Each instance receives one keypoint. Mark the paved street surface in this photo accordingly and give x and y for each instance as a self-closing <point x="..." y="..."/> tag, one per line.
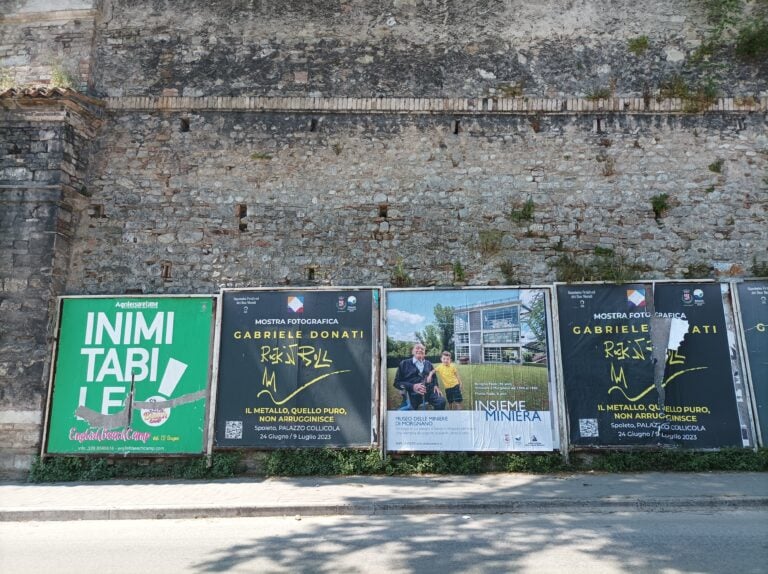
<point x="570" y="543"/>
<point x="592" y="523"/>
<point x="382" y="495"/>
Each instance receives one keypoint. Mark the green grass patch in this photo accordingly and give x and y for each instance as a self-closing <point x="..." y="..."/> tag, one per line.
<point x="498" y="382"/>
<point x="67" y="469"/>
<point x="348" y="462"/>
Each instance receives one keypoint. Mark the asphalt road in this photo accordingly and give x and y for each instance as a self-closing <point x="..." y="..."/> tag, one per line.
<point x="634" y="542"/>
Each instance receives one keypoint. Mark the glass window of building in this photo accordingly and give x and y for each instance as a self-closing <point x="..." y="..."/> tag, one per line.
<point x="502" y="337"/>
<point x="502" y="318"/>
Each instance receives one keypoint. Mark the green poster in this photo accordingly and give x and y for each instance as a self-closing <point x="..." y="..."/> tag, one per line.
<point x="131" y="375"/>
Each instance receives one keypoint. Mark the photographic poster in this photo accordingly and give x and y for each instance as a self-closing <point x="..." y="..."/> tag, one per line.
<point x="490" y="386"/>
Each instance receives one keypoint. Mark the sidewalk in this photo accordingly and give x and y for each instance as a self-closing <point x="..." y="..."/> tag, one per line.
<point x="377" y="495"/>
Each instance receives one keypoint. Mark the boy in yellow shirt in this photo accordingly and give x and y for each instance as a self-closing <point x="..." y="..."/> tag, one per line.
<point x="449" y="376"/>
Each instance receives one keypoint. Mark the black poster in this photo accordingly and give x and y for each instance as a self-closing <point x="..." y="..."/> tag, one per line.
<point x="617" y="396"/>
<point x="295" y="368"/>
<point x="753" y="300"/>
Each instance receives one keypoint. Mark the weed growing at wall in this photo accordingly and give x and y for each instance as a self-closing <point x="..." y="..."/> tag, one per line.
<point x="438" y="463"/>
<point x="695" y="99"/>
<point x="605" y="265"/>
<point x="638" y="46"/>
<point x="759" y="269"/>
<point x="752" y="42"/>
<point x="509" y="272"/>
<point x="716" y="166"/>
<point x="704" y="97"/>
<point x="534" y="463"/>
<point x="677" y="461"/>
<point x="344" y="463"/>
<point x="525" y="213"/>
<point x="609" y="167"/>
<point x="511" y="90"/>
<point x="599" y="94"/>
<point x="63" y="469"/>
<point x="660" y="205"/>
<point x="323" y="462"/>
<point x="328" y="462"/>
<point x="459" y="276"/>
<point x="490" y="241"/>
<point x="400" y="277"/>
<point x="732" y="24"/>
<point x="61" y="78"/>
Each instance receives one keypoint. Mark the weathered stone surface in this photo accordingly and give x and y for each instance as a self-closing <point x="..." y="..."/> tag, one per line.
<point x="38" y="214"/>
<point x="407" y="49"/>
<point x="313" y="198"/>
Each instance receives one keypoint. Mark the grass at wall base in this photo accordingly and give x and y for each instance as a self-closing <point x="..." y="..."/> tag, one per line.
<point x="345" y="462"/>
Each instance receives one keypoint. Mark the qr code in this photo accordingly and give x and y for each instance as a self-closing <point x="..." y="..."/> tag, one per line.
<point x="588" y="427"/>
<point x="233" y="430"/>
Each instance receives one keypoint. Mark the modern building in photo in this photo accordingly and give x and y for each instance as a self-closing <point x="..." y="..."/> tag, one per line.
<point x="488" y="332"/>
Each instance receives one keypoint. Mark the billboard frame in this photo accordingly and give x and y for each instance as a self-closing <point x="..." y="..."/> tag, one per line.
<point x="760" y="440"/>
<point x="554" y="386"/>
<point x="376" y="422"/>
<point x="737" y="365"/>
<point x="209" y="406"/>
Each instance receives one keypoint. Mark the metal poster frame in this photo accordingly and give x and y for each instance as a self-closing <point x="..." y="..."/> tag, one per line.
<point x="749" y="383"/>
<point x="553" y="386"/>
<point x="209" y="406"/>
<point x="736" y="363"/>
<point x="377" y="296"/>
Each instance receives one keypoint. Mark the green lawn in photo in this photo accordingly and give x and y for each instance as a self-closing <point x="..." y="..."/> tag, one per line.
<point x="495" y="382"/>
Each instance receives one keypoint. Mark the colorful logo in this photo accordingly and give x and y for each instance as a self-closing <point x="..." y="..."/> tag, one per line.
<point x="155" y="417"/>
<point x="698" y="297"/>
<point x="687" y="297"/>
<point x="636" y="298"/>
<point x="296" y="304"/>
<point x="341" y="304"/>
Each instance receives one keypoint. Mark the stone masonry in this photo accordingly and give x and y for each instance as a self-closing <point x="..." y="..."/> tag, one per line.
<point x="44" y="145"/>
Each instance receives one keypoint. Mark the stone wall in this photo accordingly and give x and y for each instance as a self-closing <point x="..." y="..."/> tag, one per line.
<point x="237" y="198"/>
<point x="325" y="141"/>
<point x="46" y="42"/>
<point x="44" y="146"/>
<point x="417" y="48"/>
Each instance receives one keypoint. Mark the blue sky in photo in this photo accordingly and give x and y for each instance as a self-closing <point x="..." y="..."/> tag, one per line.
<point x="411" y="311"/>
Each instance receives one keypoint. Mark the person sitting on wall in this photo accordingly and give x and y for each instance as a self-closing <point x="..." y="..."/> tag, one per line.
<point x="411" y="377"/>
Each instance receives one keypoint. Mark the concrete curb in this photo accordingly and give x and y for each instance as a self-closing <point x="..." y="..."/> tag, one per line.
<point x="599" y="506"/>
